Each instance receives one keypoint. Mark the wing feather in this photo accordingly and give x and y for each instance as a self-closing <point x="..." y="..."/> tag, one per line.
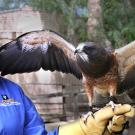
<point x="38" y="49"/>
<point x="126" y="65"/>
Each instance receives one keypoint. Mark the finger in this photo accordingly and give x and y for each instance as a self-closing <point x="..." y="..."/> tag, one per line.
<point x="114" y="128"/>
<point x="119" y="119"/>
<point x="131" y="113"/>
<point x="107" y="112"/>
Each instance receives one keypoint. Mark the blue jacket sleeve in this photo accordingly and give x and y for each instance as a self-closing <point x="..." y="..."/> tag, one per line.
<point x="34" y="125"/>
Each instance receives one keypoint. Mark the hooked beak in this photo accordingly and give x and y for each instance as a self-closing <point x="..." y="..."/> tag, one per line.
<point x="77" y="51"/>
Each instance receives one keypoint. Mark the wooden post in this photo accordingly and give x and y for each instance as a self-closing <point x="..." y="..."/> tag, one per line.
<point x="13" y="35"/>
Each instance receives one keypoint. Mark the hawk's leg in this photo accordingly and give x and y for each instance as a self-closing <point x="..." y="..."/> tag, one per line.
<point x="89" y="91"/>
<point x="90" y="103"/>
<point x="91" y="111"/>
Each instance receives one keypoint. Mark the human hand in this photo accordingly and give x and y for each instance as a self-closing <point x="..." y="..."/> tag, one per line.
<point x="102" y="122"/>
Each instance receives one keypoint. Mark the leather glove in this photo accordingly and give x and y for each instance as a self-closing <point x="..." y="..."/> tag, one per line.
<point x="117" y="123"/>
<point x="97" y="124"/>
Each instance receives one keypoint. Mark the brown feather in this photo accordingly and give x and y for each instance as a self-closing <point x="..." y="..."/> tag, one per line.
<point x="39" y="49"/>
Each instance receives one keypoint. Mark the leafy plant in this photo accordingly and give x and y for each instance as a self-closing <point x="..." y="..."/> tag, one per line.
<point x="11" y="4"/>
<point x="119" y="18"/>
<point x="74" y="14"/>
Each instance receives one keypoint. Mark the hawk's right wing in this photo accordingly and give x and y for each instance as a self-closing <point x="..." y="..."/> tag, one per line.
<point x="38" y="49"/>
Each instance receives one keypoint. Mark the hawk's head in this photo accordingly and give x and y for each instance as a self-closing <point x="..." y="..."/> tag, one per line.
<point x="93" y="60"/>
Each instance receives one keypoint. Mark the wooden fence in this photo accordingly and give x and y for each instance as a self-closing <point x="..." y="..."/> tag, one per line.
<point x="56" y="105"/>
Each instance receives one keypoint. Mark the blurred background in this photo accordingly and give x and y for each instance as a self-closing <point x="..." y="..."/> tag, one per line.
<point x="60" y="97"/>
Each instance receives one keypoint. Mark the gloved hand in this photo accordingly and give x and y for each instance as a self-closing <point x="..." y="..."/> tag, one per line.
<point x="97" y="124"/>
<point x="117" y="123"/>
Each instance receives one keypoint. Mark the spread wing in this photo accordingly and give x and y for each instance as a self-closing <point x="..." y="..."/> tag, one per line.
<point x="38" y="49"/>
<point x="126" y="66"/>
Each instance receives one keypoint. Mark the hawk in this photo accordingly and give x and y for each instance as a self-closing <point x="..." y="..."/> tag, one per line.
<point x="101" y="70"/>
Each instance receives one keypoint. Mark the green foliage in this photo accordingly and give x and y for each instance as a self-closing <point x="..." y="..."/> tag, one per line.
<point x="11" y="4"/>
<point x="68" y="9"/>
<point x="119" y="18"/>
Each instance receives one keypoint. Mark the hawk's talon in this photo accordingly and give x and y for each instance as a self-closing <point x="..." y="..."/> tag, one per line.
<point x="112" y="104"/>
<point x="85" y="116"/>
<point x="92" y="114"/>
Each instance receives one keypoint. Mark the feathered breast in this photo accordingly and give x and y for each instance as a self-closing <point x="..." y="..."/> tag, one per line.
<point x="96" y="66"/>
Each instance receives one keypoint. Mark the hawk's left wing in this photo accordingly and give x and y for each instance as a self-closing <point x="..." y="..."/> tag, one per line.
<point x="125" y="57"/>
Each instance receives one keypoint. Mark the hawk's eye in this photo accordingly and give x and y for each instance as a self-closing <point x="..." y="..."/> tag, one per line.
<point x="90" y="47"/>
